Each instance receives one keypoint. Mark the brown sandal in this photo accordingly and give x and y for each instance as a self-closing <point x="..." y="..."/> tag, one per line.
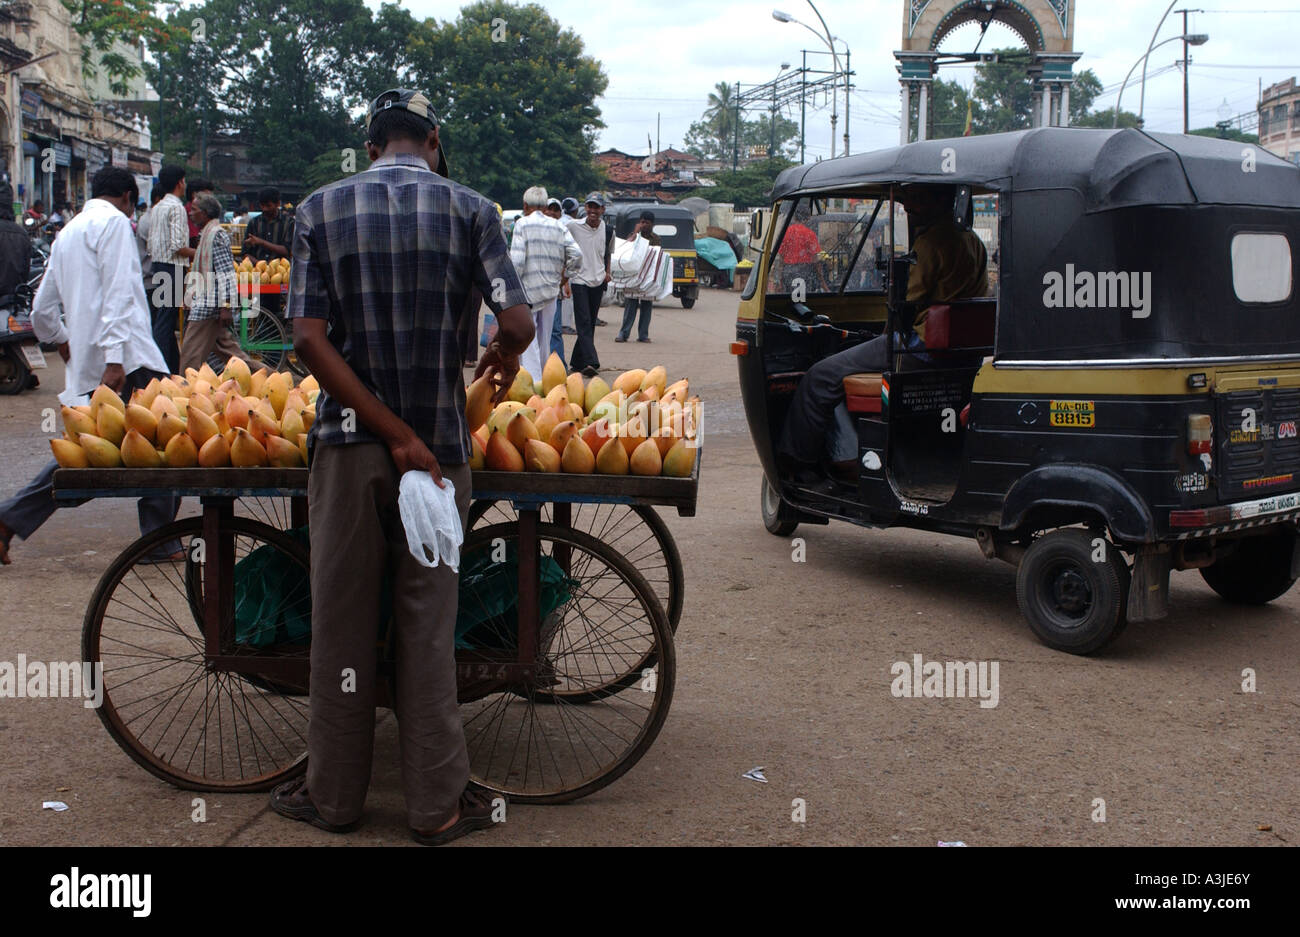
<point x="475" y="814"/>
<point x="291" y="800"/>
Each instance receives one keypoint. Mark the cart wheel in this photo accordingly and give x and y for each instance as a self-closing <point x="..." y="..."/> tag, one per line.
<point x="635" y="530"/>
<point x="1073" y="602"/>
<point x="273" y="512"/>
<point x="198" y="728"/>
<point x="568" y="731"/>
<point x="778" y="518"/>
<point x="1257" y="571"/>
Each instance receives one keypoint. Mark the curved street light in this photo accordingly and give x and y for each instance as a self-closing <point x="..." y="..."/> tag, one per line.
<point x="782" y="17"/>
<point x="1193" y="39"/>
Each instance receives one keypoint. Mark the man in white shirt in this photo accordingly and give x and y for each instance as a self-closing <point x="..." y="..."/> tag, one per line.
<point x="543" y="251"/>
<point x="170" y="251"/>
<point x="93" y="280"/>
<point x="594" y="239"/>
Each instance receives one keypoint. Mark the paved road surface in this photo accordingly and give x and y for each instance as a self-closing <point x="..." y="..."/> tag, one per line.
<point x="781" y="664"/>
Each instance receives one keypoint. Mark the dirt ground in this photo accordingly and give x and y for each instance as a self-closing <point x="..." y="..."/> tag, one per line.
<point x="781" y="664"/>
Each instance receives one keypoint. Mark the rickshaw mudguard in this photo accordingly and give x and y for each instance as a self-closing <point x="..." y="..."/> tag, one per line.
<point x="1080" y="486"/>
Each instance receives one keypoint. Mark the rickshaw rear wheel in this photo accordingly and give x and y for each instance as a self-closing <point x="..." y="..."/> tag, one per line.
<point x="778" y="517"/>
<point x="1072" y="587"/>
<point x="1257" y="571"/>
<point x="688" y="302"/>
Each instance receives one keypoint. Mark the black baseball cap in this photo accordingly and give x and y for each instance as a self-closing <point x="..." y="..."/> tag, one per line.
<point x="417" y="104"/>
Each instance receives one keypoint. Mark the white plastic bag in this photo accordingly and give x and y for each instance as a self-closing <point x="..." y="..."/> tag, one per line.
<point x="628" y="258"/>
<point x="431" y="519"/>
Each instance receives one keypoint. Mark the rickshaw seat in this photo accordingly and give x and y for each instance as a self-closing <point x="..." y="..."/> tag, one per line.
<point x="967" y="324"/>
<point x="862" y="392"/>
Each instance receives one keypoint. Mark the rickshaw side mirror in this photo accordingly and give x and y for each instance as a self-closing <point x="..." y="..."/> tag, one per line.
<point x="755" y="227"/>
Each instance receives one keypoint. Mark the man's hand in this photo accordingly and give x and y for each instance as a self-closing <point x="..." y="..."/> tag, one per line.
<point x="65" y="352"/>
<point x="114" y="378"/>
<point x="254" y="240"/>
<point x="503" y="369"/>
<point x="410" y="454"/>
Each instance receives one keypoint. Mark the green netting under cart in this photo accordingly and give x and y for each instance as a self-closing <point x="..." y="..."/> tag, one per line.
<point x="272" y="597"/>
<point x="488" y="614"/>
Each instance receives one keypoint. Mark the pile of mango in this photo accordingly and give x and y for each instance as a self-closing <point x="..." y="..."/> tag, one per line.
<point x="274" y="271"/>
<point x="237" y="418"/>
<point x="641" y="425"/>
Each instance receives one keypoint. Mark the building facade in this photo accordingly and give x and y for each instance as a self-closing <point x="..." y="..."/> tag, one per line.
<point x="1279" y="120"/>
<point x="56" y="131"/>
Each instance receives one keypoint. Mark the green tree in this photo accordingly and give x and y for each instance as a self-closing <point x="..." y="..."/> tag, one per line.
<point x="289" y="75"/>
<point x="104" y="25"/>
<point x="333" y="165"/>
<point x="1227" y="133"/>
<point x="517" y="97"/>
<point x="746" y="188"/>
<point x="947" y="109"/>
<point x="1106" y="119"/>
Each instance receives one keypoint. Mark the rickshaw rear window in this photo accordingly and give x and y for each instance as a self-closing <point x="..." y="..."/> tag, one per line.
<point x="1261" y="267"/>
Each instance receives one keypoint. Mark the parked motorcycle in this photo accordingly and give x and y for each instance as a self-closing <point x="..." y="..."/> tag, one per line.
<point x="19" y="351"/>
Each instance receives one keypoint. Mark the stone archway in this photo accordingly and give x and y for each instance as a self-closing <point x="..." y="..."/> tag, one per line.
<point x="1045" y="26"/>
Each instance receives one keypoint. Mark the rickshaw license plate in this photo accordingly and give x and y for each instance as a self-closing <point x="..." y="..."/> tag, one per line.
<point x="35" y="357"/>
<point x="1080" y="413"/>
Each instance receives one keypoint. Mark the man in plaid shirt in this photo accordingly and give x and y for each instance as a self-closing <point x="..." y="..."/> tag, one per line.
<point x="384" y="265"/>
<point x="210" y="291"/>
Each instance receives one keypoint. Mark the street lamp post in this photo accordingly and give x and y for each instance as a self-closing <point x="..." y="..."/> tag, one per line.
<point x="827" y="38"/>
<point x="1196" y="39"/>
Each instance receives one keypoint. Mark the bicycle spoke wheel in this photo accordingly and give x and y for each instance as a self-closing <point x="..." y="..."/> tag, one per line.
<point x="636" y="531"/>
<point x="268" y="341"/>
<point x="567" y="731"/>
<point x="198" y="727"/>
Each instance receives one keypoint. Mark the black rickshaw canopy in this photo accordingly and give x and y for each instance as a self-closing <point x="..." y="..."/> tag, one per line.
<point x="1116" y="246"/>
<point x="1107" y="168"/>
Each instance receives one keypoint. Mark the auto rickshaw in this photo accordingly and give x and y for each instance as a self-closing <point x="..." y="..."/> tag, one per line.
<point x="675" y="227"/>
<point x="1125" y="404"/>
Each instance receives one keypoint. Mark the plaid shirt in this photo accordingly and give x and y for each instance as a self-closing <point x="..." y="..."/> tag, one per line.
<point x="390" y="256"/>
<point x="279" y="231"/>
<point x="212" y="285"/>
<point x="542" y="249"/>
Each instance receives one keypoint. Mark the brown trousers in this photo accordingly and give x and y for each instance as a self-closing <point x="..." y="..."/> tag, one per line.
<point x="203" y="337"/>
<point x="357" y="535"/>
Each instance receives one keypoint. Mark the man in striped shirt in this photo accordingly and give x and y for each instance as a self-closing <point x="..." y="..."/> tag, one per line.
<point x="170" y="252"/>
<point x="543" y="251"/>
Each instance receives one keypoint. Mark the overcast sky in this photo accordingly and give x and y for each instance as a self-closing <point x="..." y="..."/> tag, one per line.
<point x="663" y="57"/>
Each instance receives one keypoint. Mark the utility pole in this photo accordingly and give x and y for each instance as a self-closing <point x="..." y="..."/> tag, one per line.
<point x="803" y="105"/>
<point x="735" y="146"/>
<point x="846" y="99"/>
<point x="771" y="149"/>
<point x="1185" y="62"/>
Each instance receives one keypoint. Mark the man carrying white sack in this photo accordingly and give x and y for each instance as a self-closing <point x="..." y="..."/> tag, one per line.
<point x="543" y="252"/>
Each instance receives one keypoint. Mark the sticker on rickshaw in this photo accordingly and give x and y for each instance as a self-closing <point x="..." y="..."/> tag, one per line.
<point x="1267" y="481"/>
<point x="1075" y="413"/>
<point x="1192" y="482"/>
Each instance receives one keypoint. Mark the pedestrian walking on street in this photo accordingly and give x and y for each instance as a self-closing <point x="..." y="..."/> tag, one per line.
<point x="543" y="253"/>
<point x="211" y="292"/>
<point x="595" y="240"/>
<point x="644" y="229"/>
<point x="91" y="304"/>
<point x="381" y="315"/>
<point x="170" y="252"/>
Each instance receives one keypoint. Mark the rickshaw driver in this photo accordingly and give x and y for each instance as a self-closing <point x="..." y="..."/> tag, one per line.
<point x="951" y="264"/>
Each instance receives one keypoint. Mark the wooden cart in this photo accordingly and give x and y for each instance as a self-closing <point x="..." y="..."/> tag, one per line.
<point x="565" y="662"/>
